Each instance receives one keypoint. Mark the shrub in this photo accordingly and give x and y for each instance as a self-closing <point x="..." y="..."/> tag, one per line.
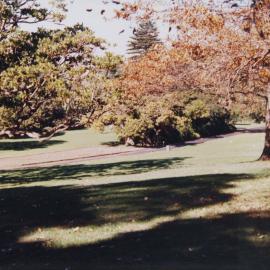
<point x="168" y="119"/>
<point x="213" y="120"/>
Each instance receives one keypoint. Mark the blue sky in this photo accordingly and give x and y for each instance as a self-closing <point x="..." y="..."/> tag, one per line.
<point x="108" y="30"/>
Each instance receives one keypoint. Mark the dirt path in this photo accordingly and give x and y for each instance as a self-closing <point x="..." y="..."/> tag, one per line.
<point x="76" y="156"/>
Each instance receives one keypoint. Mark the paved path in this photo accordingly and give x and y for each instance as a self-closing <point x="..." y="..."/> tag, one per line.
<point x="76" y="156"/>
<point x="68" y="157"/>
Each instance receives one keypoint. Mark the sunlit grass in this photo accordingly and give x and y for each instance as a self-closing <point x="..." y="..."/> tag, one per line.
<point x="69" y="140"/>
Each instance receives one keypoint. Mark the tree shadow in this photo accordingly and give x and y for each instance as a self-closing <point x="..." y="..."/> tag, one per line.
<point x="26" y="145"/>
<point x="202" y="242"/>
<point x="112" y="143"/>
<point x="217" y="243"/>
<point x="79" y="172"/>
<point x="251" y="130"/>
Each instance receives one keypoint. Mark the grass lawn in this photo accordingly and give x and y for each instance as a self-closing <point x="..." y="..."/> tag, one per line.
<point x="69" y="140"/>
<point x="203" y="206"/>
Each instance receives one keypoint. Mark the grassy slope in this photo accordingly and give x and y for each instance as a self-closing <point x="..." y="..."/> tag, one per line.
<point x="196" y="207"/>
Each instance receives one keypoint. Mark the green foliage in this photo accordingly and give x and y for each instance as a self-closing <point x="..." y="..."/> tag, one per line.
<point x="249" y="111"/>
<point x="168" y="119"/>
<point x="50" y="79"/>
<point x="109" y="64"/>
<point x="71" y="46"/>
<point x="16" y="12"/>
<point x="33" y="97"/>
<point x="219" y="122"/>
<point x="16" y="49"/>
<point x="144" y="37"/>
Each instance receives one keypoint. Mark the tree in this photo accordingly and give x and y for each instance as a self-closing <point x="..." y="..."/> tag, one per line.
<point x="144" y="37"/>
<point x="237" y="35"/>
<point x="16" y="12"/>
<point x="155" y="101"/>
<point x="33" y="98"/>
<point x="49" y="80"/>
<point x="240" y="38"/>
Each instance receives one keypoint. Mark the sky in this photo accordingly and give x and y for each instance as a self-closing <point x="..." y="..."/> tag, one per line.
<point x="108" y="30"/>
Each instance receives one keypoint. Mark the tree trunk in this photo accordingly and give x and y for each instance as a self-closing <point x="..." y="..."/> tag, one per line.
<point x="266" y="151"/>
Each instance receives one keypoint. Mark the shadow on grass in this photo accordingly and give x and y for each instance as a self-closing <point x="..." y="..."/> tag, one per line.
<point x="181" y="244"/>
<point x="112" y="143"/>
<point x="26" y="145"/>
<point x="221" y="243"/>
<point x="251" y="130"/>
<point x="79" y="172"/>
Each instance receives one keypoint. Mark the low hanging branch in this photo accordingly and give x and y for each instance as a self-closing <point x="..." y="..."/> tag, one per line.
<point x="52" y="132"/>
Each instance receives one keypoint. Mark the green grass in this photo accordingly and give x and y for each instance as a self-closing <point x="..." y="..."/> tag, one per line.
<point x="201" y="206"/>
<point x="69" y="140"/>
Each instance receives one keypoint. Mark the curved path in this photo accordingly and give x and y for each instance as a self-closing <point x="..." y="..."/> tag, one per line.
<point x="77" y="156"/>
<point x="68" y="157"/>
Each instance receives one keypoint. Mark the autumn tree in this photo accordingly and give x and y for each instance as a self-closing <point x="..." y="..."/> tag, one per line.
<point x="237" y="35"/>
<point x="153" y="103"/>
<point x="240" y="37"/>
<point x="144" y="37"/>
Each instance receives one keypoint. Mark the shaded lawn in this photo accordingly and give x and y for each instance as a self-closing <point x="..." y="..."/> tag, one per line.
<point x="199" y="240"/>
<point x="225" y="240"/>
<point x="156" y="211"/>
<point x="221" y="243"/>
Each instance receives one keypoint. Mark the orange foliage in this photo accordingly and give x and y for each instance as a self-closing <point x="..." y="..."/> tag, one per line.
<point x="218" y="51"/>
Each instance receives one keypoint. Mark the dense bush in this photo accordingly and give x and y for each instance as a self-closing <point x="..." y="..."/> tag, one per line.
<point x="155" y="125"/>
<point x="216" y="122"/>
<point x="249" y="112"/>
<point x="167" y="119"/>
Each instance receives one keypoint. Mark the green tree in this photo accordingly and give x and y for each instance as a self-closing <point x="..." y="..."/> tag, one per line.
<point x="51" y="80"/>
<point x="16" y="12"/>
<point x="144" y="37"/>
